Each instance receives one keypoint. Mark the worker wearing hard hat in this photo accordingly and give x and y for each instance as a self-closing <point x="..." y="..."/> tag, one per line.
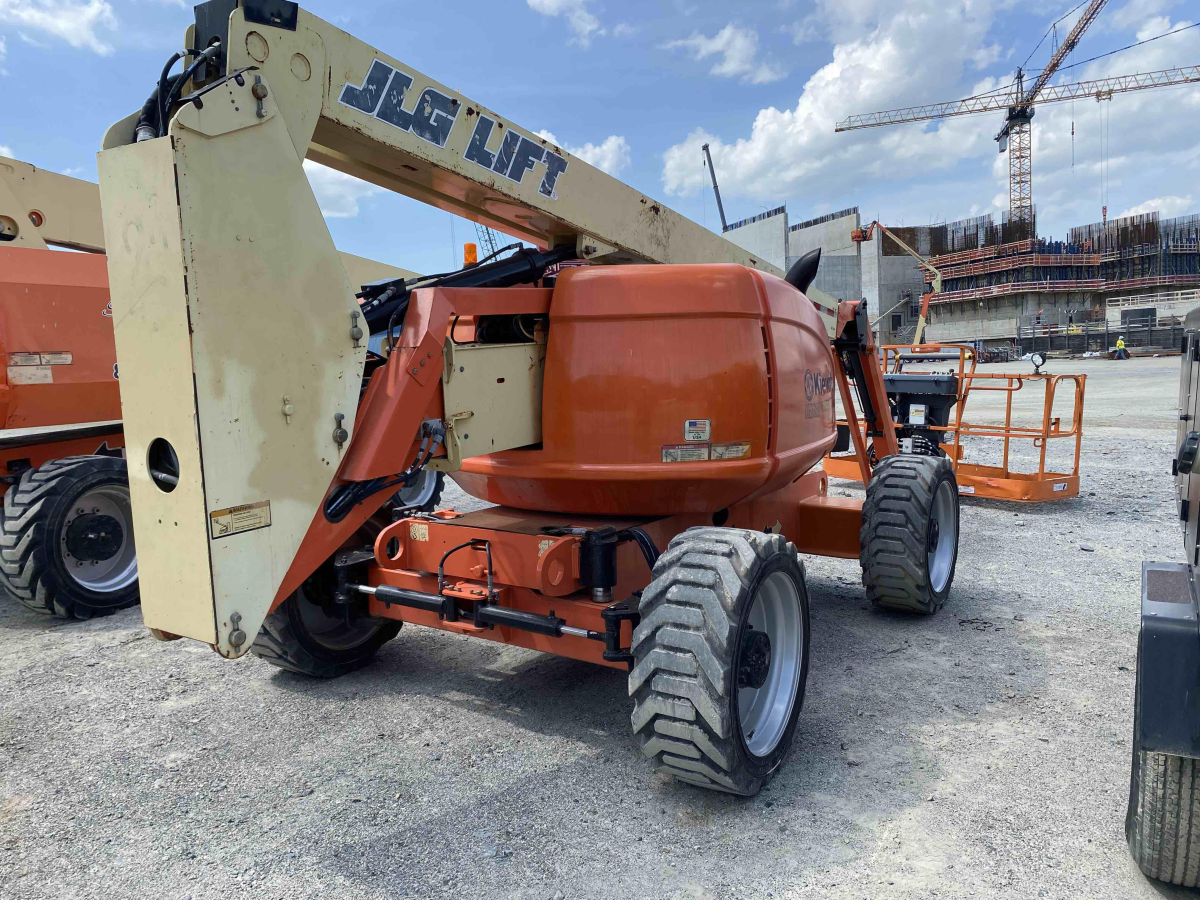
<point x="1122" y="353"/>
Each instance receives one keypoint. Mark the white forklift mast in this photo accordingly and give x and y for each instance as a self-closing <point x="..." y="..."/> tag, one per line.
<point x="240" y="371"/>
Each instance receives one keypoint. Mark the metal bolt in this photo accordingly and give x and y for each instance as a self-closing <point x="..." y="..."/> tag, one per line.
<point x="79" y="564"/>
<point x="340" y="434"/>
<point x="259" y="91"/>
<point x="414" y="371"/>
<point x="422" y="362"/>
<point x="237" y="637"/>
<point x="95" y="509"/>
<point x="81" y="511"/>
<point x="356" y="333"/>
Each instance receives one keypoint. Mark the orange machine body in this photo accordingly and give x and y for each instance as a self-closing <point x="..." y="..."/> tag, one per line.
<point x="670" y="390"/>
<point x="60" y="362"/>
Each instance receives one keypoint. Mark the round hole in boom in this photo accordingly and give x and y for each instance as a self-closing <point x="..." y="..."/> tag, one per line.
<point x="163" y="464"/>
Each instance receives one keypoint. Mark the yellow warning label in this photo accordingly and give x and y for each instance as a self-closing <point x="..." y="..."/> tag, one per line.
<point x="237" y="519"/>
<point x="418" y="531"/>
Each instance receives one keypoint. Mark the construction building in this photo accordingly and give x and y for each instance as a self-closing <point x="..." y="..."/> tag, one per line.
<point x="1002" y="285"/>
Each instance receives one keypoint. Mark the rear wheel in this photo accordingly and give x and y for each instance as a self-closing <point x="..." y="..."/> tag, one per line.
<point x="909" y="535"/>
<point x="311" y="634"/>
<point x="721" y="658"/>
<point x="66" y="538"/>
<point x="1162" y="823"/>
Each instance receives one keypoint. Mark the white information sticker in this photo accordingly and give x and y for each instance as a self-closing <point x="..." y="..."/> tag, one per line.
<point x="1061" y="486"/>
<point x="964" y="489"/>
<point x="673" y="453"/>
<point x="30" y="375"/>
<point x="24" y="359"/>
<point x="237" y="519"/>
<point x="60" y="358"/>
<point x="916" y="414"/>
<point x="731" y="450"/>
<point x="697" y="430"/>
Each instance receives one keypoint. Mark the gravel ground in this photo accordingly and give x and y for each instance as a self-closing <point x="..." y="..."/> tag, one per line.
<point x="981" y="752"/>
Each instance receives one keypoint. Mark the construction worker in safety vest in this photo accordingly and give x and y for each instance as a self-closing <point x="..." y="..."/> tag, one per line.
<point x="1122" y="353"/>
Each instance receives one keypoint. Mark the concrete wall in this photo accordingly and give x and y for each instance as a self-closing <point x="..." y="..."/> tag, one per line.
<point x="995" y="318"/>
<point x="898" y="289"/>
<point x="832" y="236"/>
<point x="767" y="238"/>
<point x="840" y="277"/>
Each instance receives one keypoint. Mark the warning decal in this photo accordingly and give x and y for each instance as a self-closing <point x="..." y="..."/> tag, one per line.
<point x="237" y="519"/>
<point x="672" y="453"/>
<point x="30" y="375"/>
<point x="731" y="450"/>
<point x="58" y="358"/>
<point x="24" y="359"/>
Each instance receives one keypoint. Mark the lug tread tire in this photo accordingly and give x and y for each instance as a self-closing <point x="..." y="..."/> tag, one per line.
<point x="282" y="642"/>
<point x="26" y="540"/>
<point x="682" y="678"/>
<point x="893" y="554"/>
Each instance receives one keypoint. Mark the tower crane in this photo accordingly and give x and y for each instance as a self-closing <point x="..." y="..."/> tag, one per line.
<point x="1018" y="105"/>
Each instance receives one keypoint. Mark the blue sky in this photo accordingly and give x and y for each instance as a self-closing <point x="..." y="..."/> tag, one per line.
<point x="637" y="87"/>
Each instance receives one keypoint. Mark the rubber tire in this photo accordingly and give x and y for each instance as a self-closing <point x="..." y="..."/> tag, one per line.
<point x="31" y="567"/>
<point x="894" y="533"/>
<point x="693" y="614"/>
<point x="284" y="642"/>
<point x="431" y="504"/>
<point x="1162" y="822"/>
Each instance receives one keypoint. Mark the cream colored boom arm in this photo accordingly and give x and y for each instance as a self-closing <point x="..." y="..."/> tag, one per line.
<point x="39" y="207"/>
<point x="358" y="110"/>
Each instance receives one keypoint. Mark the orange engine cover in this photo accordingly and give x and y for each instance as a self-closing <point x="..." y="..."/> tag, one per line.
<point x="668" y="390"/>
<point x="56" y="334"/>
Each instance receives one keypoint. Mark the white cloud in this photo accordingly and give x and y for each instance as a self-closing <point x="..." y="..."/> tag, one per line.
<point x="30" y="41"/>
<point x="625" y="30"/>
<point x="1167" y="207"/>
<point x="5" y="150"/>
<point x="804" y="31"/>
<point x="337" y="193"/>
<point x="985" y="56"/>
<point x="611" y="155"/>
<point x="3" y="49"/>
<point x="882" y="59"/>
<point x="582" y="22"/>
<point x="738" y="49"/>
<point x="72" y="21"/>
<point x="1134" y="13"/>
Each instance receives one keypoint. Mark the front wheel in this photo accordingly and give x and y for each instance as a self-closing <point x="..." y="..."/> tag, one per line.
<point x="909" y="535"/>
<point x="721" y="658"/>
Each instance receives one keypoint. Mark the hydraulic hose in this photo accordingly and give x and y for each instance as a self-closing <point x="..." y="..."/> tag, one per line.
<point x="201" y="59"/>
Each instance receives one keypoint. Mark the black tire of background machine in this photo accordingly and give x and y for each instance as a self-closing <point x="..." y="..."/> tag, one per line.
<point x="1162" y="823"/>
<point x="683" y="681"/>
<point x="286" y="642"/>
<point x="32" y="568"/>
<point x="895" y="532"/>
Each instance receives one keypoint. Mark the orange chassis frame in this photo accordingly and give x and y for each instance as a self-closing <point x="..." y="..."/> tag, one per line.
<point x="995" y="482"/>
<point x="531" y="571"/>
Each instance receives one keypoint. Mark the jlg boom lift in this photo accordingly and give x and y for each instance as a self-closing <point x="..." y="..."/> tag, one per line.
<point x="650" y="430"/>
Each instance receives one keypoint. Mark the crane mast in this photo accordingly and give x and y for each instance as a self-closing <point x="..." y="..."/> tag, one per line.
<point x="716" y="190"/>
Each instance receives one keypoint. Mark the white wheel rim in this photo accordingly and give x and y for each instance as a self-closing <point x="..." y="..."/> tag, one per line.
<point x="764" y="712"/>
<point x="944" y="523"/>
<point x="119" y="571"/>
<point x="420" y="491"/>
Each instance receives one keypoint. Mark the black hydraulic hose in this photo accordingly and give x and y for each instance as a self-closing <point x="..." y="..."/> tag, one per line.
<point x="177" y="89"/>
<point x="645" y="544"/>
<point x="160" y="124"/>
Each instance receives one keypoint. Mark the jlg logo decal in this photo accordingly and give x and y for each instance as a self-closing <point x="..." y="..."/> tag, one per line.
<point x="384" y="92"/>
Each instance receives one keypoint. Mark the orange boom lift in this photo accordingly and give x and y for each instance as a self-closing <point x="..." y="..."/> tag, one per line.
<point x="649" y="424"/>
